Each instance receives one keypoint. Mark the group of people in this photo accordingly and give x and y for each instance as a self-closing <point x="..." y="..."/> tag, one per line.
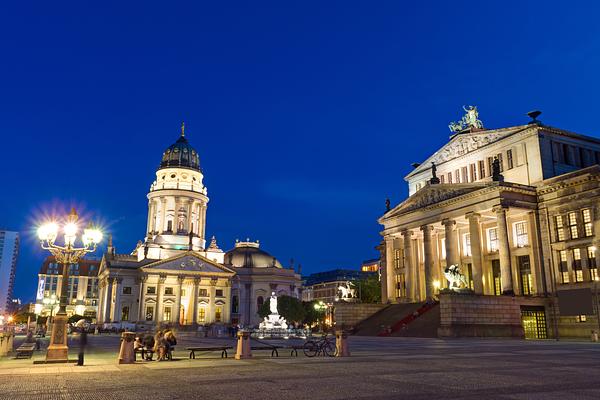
<point x="161" y="344"/>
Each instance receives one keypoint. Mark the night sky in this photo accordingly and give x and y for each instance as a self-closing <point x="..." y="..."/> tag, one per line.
<point x="306" y="116"/>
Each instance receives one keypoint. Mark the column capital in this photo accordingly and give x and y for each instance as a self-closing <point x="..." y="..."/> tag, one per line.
<point x="213" y="281"/>
<point x="144" y="278"/>
<point x="406" y="232"/>
<point x="197" y="281"/>
<point x="472" y="214"/>
<point x="448" y="223"/>
<point x="426" y="228"/>
<point x="161" y="279"/>
<point x="500" y="208"/>
<point x="180" y="279"/>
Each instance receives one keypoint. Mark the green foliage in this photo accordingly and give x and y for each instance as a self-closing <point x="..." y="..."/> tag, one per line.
<point x="311" y="315"/>
<point x="21" y="318"/>
<point x="369" y="289"/>
<point x="288" y="307"/>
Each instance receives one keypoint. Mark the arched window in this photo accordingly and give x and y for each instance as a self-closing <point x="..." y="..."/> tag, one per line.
<point x="259" y="302"/>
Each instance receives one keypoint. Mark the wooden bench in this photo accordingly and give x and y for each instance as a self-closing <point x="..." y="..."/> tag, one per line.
<point x="222" y="349"/>
<point x="25" y="350"/>
<point x="274" y="352"/>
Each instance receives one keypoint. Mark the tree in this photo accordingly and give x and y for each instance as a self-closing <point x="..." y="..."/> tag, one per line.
<point x="312" y="315"/>
<point x="288" y="307"/>
<point x="369" y="289"/>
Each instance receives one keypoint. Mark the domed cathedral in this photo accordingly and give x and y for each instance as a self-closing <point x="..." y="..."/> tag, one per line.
<point x="172" y="276"/>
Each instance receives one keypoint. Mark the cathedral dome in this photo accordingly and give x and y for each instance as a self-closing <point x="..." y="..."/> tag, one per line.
<point x="248" y="255"/>
<point x="180" y="155"/>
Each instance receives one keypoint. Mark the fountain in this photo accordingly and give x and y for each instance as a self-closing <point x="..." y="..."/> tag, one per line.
<point x="273" y="321"/>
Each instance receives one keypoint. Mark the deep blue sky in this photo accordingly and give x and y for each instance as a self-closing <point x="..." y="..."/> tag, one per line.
<point x="306" y="116"/>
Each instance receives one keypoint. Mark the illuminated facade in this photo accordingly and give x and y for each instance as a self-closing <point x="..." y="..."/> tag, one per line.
<point x="83" y="288"/>
<point x="516" y="208"/>
<point x="173" y="276"/>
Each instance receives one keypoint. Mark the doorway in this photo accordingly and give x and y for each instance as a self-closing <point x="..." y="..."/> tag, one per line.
<point x="534" y="322"/>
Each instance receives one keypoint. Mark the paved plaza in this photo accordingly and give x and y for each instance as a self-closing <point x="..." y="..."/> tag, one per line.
<point x="379" y="368"/>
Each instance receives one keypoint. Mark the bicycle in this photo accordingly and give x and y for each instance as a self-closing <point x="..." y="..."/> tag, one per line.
<point x="324" y="346"/>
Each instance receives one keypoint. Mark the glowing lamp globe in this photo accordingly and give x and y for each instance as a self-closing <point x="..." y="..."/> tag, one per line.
<point x="48" y="231"/>
<point x="91" y="236"/>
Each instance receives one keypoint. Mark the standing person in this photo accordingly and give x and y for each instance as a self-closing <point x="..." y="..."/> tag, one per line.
<point x="82" y="344"/>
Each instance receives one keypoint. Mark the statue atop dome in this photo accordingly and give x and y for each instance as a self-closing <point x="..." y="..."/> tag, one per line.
<point x="469" y="121"/>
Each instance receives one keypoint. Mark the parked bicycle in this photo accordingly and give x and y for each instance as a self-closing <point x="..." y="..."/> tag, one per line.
<point x="324" y="346"/>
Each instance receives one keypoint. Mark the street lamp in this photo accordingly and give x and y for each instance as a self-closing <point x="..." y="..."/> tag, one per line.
<point x="50" y="302"/>
<point x="66" y="255"/>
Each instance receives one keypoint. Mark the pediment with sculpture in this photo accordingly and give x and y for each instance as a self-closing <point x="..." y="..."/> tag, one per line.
<point x="434" y="194"/>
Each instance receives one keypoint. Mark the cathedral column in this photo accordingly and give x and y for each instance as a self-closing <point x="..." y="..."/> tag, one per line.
<point x="202" y="221"/>
<point x="504" y="251"/>
<point x="177" y="310"/>
<point x="476" y="252"/>
<point x="159" y="298"/>
<point x="428" y="261"/>
<point x="188" y="216"/>
<point x="212" y="297"/>
<point x="408" y="265"/>
<point x="142" y="298"/>
<point x="195" y="302"/>
<point x="108" y="300"/>
<point x="117" y="307"/>
<point x="450" y="242"/>
<point x="388" y="293"/>
<point x="163" y="215"/>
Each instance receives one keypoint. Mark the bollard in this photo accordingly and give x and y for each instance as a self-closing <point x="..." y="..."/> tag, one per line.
<point x="341" y="344"/>
<point x="594" y="336"/>
<point x="127" y="353"/>
<point x="243" y="346"/>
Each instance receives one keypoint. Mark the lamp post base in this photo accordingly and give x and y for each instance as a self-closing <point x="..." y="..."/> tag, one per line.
<point x="58" y="351"/>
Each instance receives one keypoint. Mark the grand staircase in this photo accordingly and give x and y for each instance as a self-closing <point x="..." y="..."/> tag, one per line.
<point x="409" y="320"/>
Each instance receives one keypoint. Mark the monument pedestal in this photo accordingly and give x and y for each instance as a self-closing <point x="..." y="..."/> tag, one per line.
<point x="58" y="351"/>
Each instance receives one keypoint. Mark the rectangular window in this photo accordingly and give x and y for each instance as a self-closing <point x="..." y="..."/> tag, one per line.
<point x="203" y="293"/>
<point x="219" y="292"/>
<point x="168" y="290"/>
<point x="442" y="179"/>
<point x="167" y="314"/>
<point x="397" y="258"/>
<point x="586" y="214"/>
<point x="564" y="270"/>
<point x="457" y="175"/>
<point x="467" y="245"/>
<point x="473" y="172"/>
<point x="449" y="177"/>
<point x="499" y="156"/>
<point x="490" y="162"/>
<point x="497" y="274"/>
<point x="521" y="234"/>
<point x="126" y="289"/>
<point x="493" y="239"/>
<point x="149" y="313"/>
<point x="151" y="290"/>
<point x="560" y="230"/>
<point x="591" y="252"/>
<point x="465" y="177"/>
<point x="125" y="313"/>
<point x="481" y="169"/>
<point x="201" y="314"/>
<point x="400" y="285"/>
<point x="525" y="274"/>
<point x="572" y="220"/>
<point x="577" y="265"/>
<point x="509" y="159"/>
<point x="218" y="312"/>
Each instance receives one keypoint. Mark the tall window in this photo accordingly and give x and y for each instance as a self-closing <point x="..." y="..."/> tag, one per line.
<point x="497" y="274"/>
<point x="564" y="269"/>
<point x="500" y="162"/>
<point x="493" y="239"/>
<point x="218" y="312"/>
<point x="235" y="304"/>
<point x="259" y="302"/>
<point x="125" y="313"/>
<point x="521" y="234"/>
<point x="587" y="222"/>
<point x="149" y="313"/>
<point x="201" y="314"/>
<point x="591" y="253"/>
<point x="473" y="172"/>
<point x="560" y="229"/>
<point x="467" y="245"/>
<point x="400" y="285"/>
<point x="457" y="175"/>
<point x="525" y="273"/>
<point x="465" y="176"/>
<point x="449" y="177"/>
<point x="167" y="314"/>
<point x="481" y="165"/>
<point x="572" y="220"/>
<point x="577" y="265"/>
<point x="442" y="178"/>
<point x="490" y="163"/>
<point x="509" y="159"/>
<point x="397" y="258"/>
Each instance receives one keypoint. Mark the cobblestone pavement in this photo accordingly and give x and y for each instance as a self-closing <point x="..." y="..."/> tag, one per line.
<point x="380" y="368"/>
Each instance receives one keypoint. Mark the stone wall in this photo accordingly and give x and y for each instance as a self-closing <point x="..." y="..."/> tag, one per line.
<point x="479" y="316"/>
<point x="350" y="314"/>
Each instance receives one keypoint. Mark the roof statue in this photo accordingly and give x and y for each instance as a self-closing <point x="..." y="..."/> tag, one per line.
<point x="469" y="120"/>
<point x="183" y="129"/>
<point x="434" y="179"/>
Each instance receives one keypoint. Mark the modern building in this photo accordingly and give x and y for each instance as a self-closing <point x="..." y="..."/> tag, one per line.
<point x="83" y="288"/>
<point x="323" y="286"/>
<point x="172" y="276"/>
<point x="9" y="251"/>
<point x="371" y="266"/>
<point x="517" y="209"/>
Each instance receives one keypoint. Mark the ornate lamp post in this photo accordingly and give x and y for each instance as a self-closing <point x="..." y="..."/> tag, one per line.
<point x="66" y="255"/>
<point x="50" y="302"/>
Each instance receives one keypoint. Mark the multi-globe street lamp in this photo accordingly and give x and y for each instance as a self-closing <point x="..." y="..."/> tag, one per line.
<point x="67" y="254"/>
<point x="51" y="302"/>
